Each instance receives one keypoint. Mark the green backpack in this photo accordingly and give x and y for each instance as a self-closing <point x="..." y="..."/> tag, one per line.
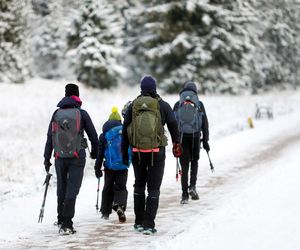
<point x="146" y="130"/>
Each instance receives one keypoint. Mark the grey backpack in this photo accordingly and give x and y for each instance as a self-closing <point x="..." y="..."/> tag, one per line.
<point x="66" y="133"/>
<point x="189" y="115"/>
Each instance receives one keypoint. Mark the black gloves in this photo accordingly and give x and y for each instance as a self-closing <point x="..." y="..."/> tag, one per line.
<point x="98" y="171"/>
<point x="47" y="165"/>
<point x="93" y="155"/>
<point x="125" y="158"/>
<point x="177" y="149"/>
<point x="206" y="146"/>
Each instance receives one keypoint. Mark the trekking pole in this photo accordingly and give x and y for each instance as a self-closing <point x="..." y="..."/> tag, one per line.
<point x="210" y="163"/>
<point x="178" y="169"/>
<point x="47" y="181"/>
<point x="97" y="208"/>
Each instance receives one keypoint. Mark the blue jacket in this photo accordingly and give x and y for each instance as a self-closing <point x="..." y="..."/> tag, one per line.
<point x="102" y="141"/>
<point x="86" y="125"/>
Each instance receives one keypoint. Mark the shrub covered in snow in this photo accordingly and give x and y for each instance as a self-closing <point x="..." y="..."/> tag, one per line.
<point x="13" y="54"/>
<point x="94" y="42"/>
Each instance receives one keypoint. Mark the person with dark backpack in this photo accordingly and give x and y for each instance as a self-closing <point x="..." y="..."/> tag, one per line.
<point x="66" y="138"/>
<point x="193" y="123"/>
<point x="143" y="130"/>
<point x="114" y="194"/>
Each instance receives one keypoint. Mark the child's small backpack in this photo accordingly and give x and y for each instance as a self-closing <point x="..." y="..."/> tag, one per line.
<point x="112" y="153"/>
<point x="66" y="133"/>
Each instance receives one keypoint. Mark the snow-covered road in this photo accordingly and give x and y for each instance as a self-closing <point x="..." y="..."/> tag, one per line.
<point x="223" y="192"/>
<point x="248" y="203"/>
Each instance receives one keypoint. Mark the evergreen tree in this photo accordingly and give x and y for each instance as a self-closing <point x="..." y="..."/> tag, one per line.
<point x="49" y="40"/>
<point x="13" y="54"/>
<point x="278" y="50"/>
<point x="185" y="40"/>
<point x="95" y="40"/>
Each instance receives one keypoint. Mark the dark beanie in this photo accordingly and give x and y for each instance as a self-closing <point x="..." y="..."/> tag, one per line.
<point x="148" y="84"/>
<point x="190" y="85"/>
<point x="72" y="89"/>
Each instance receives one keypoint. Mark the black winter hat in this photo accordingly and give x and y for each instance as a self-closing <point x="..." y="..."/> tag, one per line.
<point x="190" y="85"/>
<point x="72" y="89"/>
<point x="148" y="84"/>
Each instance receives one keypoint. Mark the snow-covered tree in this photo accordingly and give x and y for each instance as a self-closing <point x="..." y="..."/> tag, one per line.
<point x="182" y="40"/>
<point x="278" y="52"/>
<point x="49" y="40"/>
<point x="95" y="41"/>
<point x="228" y="46"/>
<point x="13" y="53"/>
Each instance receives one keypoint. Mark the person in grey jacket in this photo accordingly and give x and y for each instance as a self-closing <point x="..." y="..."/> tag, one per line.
<point x="191" y="146"/>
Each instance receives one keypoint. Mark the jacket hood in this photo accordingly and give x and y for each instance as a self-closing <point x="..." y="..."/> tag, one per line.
<point x="110" y="124"/>
<point x="69" y="102"/>
<point x="189" y="85"/>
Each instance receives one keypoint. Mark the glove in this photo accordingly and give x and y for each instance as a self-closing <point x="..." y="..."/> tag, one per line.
<point x="125" y="159"/>
<point x="47" y="165"/>
<point x="98" y="172"/>
<point x="177" y="149"/>
<point x="206" y="146"/>
<point x="93" y="155"/>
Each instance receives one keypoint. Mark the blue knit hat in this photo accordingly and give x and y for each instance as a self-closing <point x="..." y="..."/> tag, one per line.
<point x="148" y="84"/>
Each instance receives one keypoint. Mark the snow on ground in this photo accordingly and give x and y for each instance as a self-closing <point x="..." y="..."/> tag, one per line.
<point x="248" y="203"/>
<point x="261" y="213"/>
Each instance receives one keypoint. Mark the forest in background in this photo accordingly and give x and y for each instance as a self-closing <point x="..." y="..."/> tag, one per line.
<point x="226" y="46"/>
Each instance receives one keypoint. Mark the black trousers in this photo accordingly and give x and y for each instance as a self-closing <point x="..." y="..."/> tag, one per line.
<point x="69" y="174"/>
<point x="189" y="157"/>
<point x="114" y="192"/>
<point x="148" y="170"/>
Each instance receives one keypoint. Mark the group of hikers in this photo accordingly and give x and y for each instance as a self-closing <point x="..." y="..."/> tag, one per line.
<point x="139" y="141"/>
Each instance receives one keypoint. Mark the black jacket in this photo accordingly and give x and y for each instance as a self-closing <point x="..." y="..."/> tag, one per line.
<point x="205" y="128"/>
<point x="167" y="117"/>
<point x="86" y="125"/>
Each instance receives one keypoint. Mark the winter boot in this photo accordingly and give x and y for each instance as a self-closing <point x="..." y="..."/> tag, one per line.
<point x="138" y="227"/>
<point x="105" y="216"/>
<point x="193" y="193"/>
<point x="184" y="198"/>
<point x="149" y="231"/>
<point x="121" y="214"/>
<point x="66" y="231"/>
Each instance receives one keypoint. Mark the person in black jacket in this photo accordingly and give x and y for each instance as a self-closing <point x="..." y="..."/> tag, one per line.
<point x="149" y="166"/>
<point x="114" y="193"/>
<point x="69" y="171"/>
<point x="191" y="148"/>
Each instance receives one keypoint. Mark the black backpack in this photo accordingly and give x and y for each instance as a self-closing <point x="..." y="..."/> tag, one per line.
<point x="66" y="133"/>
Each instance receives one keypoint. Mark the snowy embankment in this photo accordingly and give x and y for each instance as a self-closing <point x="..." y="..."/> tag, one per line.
<point x="248" y="182"/>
